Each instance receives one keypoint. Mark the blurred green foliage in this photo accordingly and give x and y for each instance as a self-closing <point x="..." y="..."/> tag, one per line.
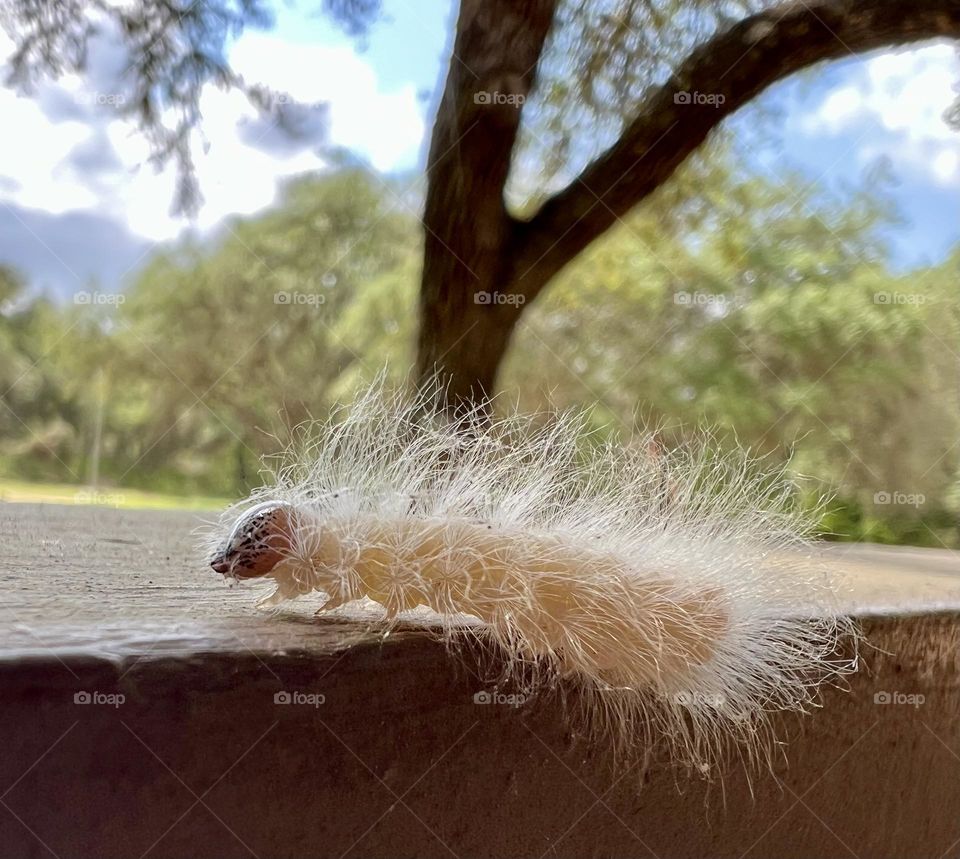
<point x="757" y="307"/>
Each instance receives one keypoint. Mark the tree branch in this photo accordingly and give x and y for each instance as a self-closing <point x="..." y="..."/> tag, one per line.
<point x="715" y="81"/>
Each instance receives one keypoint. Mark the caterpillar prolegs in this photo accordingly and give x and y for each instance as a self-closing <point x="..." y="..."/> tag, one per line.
<point x="670" y="583"/>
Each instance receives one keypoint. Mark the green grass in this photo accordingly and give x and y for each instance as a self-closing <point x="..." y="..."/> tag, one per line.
<point x="107" y="496"/>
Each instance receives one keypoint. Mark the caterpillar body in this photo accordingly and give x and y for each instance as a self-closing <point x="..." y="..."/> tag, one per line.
<point x="669" y="587"/>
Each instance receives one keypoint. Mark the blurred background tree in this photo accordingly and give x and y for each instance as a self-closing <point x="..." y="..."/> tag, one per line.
<point x="614" y="110"/>
<point x="785" y="329"/>
<point x="215" y="351"/>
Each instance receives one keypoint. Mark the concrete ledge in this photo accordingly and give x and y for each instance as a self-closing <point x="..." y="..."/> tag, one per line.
<point x="398" y="760"/>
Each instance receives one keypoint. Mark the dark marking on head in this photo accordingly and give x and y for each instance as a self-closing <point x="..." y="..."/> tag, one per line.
<point x="258" y="542"/>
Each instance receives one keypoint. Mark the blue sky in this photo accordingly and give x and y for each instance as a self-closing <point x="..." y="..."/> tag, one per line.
<point x="78" y="203"/>
<point x="885" y="107"/>
<point x="408" y="46"/>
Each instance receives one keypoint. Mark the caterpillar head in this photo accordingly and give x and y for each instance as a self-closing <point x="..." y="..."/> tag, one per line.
<point x="259" y="541"/>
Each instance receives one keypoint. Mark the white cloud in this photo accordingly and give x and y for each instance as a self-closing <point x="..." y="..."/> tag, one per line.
<point x="31" y="148"/>
<point x="839" y="109"/>
<point x="946" y="165"/>
<point x="386" y="127"/>
<point x="60" y="131"/>
<point x="897" y="101"/>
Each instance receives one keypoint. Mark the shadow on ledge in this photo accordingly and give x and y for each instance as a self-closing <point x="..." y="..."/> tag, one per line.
<point x="380" y="750"/>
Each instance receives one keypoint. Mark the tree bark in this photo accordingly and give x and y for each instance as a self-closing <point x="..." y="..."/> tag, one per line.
<point x="466" y="310"/>
<point x="474" y="245"/>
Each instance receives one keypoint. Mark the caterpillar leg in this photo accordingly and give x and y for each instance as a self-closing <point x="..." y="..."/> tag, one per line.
<point x="589" y="613"/>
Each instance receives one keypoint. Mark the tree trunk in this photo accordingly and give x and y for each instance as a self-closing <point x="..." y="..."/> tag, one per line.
<point x="467" y="311"/>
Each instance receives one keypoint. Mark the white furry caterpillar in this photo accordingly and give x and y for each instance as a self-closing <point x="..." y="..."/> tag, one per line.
<point x="666" y="584"/>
